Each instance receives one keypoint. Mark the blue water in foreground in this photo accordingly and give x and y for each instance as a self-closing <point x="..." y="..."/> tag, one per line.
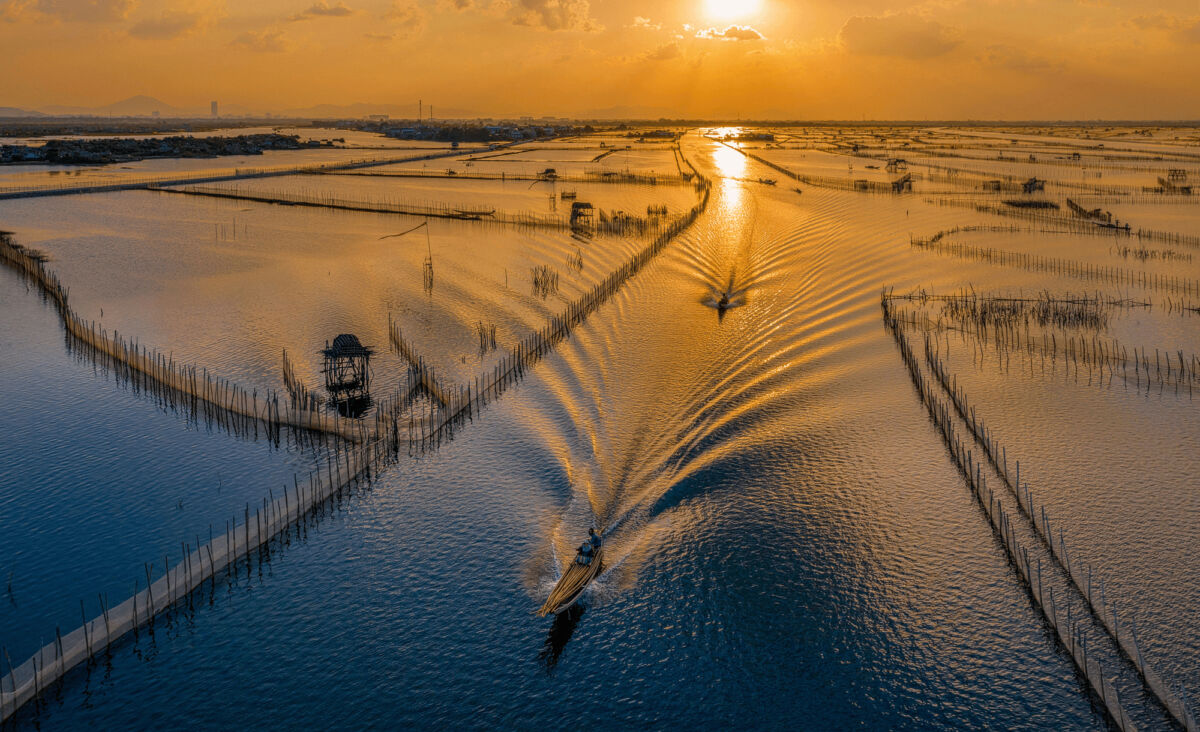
<point x="788" y="544"/>
<point x="96" y="480"/>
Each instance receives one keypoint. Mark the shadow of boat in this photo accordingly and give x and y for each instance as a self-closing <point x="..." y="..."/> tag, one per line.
<point x="560" y="634"/>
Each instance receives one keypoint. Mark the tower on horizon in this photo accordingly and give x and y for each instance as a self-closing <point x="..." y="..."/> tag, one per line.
<point x="213" y="109"/>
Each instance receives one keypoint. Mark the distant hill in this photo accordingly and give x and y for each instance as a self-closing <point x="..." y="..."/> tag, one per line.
<point x="136" y="106"/>
<point x="14" y="112"/>
<point x="142" y="106"/>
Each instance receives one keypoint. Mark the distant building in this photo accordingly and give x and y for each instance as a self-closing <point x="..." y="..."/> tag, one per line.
<point x="213" y="109"/>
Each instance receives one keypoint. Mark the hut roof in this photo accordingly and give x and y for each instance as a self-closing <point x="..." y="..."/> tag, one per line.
<point x="346" y="344"/>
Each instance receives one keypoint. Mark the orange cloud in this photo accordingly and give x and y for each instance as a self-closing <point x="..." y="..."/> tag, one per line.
<point x="166" y="26"/>
<point x="323" y="9"/>
<point x="270" y="40"/>
<point x="406" y="18"/>
<point x="732" y="33"/>
<point x="905" y="36"/>
<point x="665" y="52"/>
<point x="568" y="15"/>
<point x="87" y="10"/>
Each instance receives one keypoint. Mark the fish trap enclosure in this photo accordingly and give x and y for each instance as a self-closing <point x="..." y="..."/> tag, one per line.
<point x="347" y="372"/>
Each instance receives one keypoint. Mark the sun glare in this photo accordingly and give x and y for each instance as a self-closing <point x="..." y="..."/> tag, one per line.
<point x="731" y="9"/>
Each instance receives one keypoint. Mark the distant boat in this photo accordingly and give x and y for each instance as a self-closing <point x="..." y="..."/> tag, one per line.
<point x="572" y="584"/>
<point x="766" y="181"/>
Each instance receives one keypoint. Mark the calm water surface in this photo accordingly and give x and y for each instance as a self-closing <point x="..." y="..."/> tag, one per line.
<point x="787" y="540"/>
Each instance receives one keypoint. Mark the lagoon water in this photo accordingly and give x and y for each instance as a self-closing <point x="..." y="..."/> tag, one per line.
<point x="788" y="541"/>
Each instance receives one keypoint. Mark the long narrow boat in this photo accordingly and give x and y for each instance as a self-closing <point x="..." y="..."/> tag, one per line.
<point x="572" y="584"/>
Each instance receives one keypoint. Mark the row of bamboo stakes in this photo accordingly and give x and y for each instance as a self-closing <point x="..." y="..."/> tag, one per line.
<point x="774" y="166"/>
<point x="1059" y="266"/>
<point x="126" y="184"/>
<point x="201" y="562"/>
<point x="1144" y="254"/>
<point x="588" y="176"/>
<point x="1109" y="162"/>
<point x="1127" y="198"/>
<point x="1030" y="571"/>
<point x="1010" y="183"/>
<point x="302" y="397"/>
<point x="1173" y="698"/>
<point x="427" y="209"/>
<point x="844" y="184"/>
<point x="150" y="369"/>
<point x="423" y="375"/>
<point x="355" y="451"/>
<point x="1096" y="353"/>
<point x="1067" y="224"/>
<point x="465" y="401"/>
<point x="615" y="223"/>
<point x="1015" y="179"/>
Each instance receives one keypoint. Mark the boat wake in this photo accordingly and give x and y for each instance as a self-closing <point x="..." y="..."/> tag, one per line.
<point x="640" y="439"/>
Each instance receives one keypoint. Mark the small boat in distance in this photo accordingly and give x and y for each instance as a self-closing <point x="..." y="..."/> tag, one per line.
<point x="723" y="303"/>
<point x="572" y="584"/>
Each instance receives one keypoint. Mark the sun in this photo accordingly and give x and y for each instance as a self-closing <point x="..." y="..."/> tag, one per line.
<point x="731" y="9"/>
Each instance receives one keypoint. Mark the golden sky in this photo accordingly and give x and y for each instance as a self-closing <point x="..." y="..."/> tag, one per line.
<point x="806" y="59"/>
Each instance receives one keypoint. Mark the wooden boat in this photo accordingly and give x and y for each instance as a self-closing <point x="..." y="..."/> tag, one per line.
<point x="571" y="585"/>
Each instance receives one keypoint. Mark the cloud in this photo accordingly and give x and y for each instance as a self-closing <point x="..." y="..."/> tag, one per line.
<point x="407" y="18"/>
<point x="665" y="52"/>
<point x="12" y="11"/>
<point x="568" y="15"/>
<point x="904" y="36"/>
<point x="1182" y="30"/>
<point x="732" y="33"/>
<point x="645" y="23"/>
<point x="166" y="26"/>
<point x="1156" y="21"/>
<point x="270" y="40"/>
<point x="1189" y="33"/>
<point x="322" y="9"/>
<point x="94" y="11"/>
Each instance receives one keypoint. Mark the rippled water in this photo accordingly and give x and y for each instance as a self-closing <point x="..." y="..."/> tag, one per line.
<point x="787" y="538"/>
<point x="97" y="480"/>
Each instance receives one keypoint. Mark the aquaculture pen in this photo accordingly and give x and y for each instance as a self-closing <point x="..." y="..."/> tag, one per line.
<point x="1062" y="267"/>
<point x="1037" y="517"/>
<point x="355" y="452"/>
<point x="461" y="404"/>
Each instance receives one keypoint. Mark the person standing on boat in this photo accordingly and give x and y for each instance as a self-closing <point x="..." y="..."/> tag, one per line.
<point x="594" y="540"/>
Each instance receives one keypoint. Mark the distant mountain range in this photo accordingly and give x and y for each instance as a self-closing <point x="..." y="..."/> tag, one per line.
<point x="14" y="112"/>
<point x="140" y="106"/>
<point x="144" y="106"/>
